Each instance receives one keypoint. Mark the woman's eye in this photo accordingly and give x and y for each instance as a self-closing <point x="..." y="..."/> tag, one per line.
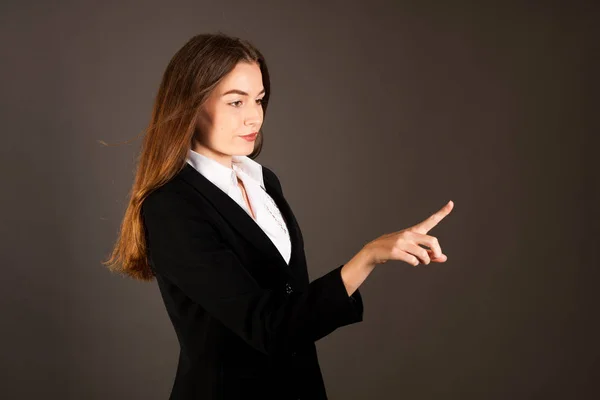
<point x="259" y="101"/>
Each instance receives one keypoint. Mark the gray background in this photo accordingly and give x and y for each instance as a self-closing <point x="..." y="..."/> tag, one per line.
<point x="380" y="113"/>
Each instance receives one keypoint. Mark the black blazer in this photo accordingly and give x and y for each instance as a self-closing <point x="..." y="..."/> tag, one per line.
<point x="246" y="321"/>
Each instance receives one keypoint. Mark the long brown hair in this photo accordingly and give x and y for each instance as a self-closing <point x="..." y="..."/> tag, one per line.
<point x="188" y="80"/>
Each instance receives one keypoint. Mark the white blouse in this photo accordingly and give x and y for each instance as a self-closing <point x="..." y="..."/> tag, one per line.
<point x="268" y="216"/>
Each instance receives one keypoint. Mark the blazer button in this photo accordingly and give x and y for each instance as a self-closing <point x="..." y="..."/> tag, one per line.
<point x="288" y="288"/>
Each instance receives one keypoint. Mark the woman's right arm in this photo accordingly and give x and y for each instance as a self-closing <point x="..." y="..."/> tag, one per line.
<point x="187" y="250"/>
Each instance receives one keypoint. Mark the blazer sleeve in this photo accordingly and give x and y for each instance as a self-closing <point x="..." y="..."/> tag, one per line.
<point x="187" y="250"/>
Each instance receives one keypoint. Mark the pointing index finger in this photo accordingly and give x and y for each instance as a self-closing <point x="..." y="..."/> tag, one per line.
<point x="433" y="220"/>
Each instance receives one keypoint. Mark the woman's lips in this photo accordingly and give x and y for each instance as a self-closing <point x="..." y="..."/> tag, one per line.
<point x="250" y="137"/>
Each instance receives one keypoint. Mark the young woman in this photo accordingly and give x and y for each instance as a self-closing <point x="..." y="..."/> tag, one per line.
<point x="212" y="226"/>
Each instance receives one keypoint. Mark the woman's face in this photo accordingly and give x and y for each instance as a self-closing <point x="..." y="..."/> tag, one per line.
<point x="233" y="109"/>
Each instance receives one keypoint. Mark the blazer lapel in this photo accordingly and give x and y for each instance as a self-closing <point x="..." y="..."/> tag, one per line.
<point x="244" y="223"/>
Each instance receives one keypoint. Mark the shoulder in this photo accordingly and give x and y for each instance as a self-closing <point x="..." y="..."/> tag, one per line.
<point x="173" y="196"/>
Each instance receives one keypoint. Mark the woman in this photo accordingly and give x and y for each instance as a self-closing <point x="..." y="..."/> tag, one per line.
<point x="213" y="227"/>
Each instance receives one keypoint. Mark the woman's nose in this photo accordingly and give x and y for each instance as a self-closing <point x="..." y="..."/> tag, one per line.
<point x="253" y="118"/>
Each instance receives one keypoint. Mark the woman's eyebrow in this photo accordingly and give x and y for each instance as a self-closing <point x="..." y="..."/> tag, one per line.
<point x="237" y="91"/>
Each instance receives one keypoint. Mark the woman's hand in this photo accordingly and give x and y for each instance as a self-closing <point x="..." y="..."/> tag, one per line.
<point x="404" y="245"/>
